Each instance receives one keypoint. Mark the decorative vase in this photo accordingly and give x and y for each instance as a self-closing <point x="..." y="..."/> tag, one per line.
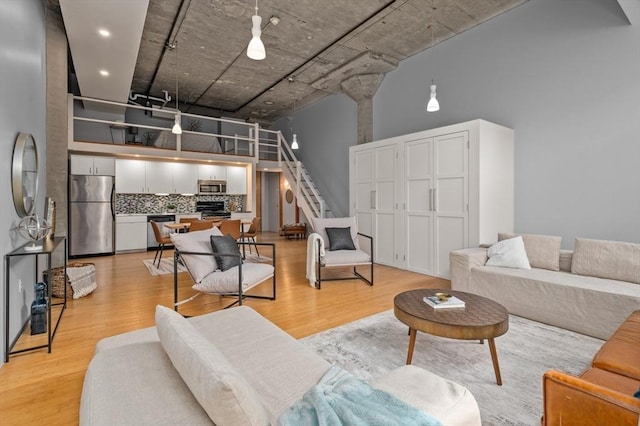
<point x="39" y="309"/>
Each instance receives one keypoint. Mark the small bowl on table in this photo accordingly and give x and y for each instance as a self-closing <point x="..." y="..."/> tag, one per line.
<point x="443" y="297"/>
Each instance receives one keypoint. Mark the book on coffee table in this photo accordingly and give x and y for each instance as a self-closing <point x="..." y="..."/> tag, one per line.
<point x="436" y="303"/>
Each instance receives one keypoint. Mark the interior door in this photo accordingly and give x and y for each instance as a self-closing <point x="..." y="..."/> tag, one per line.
<point x="419" y="205"/>
<point x="451" y="195"/>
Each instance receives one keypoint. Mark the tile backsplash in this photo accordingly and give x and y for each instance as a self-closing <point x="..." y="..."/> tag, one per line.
<point x="154" y="204"/>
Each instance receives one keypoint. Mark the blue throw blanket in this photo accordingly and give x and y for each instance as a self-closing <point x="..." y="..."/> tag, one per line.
<point x="342" y="399"/>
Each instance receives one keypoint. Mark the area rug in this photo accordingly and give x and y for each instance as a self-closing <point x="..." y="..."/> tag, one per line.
<point x="377" y="344"/>
<point x="166" y="266"/>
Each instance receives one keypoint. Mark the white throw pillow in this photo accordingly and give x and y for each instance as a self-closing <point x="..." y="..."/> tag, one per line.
<point x="222" y="392"/>
<point x="543" y="251"/>
<point x="508" y="253"/>
<point x="199" y="266"/>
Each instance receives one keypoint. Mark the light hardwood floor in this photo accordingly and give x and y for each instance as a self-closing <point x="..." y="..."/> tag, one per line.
<point x="41" y="388"/>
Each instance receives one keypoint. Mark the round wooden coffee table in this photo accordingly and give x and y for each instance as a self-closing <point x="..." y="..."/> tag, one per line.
<point x="480" y="319"/>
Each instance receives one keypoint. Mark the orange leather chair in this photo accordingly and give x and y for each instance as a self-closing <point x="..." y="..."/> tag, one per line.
<point x="603" y="393"/>
<point x="161" y="240"/>
<point x="231" y="227"/>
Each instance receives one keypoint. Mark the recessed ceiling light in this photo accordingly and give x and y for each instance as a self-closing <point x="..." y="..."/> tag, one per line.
<point x="268" y="102"/>
<point x="104" y="32"/>
<point x="104" y="73"/>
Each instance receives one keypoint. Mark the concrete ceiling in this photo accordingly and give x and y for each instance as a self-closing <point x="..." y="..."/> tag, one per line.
<point x="314" y="46"/>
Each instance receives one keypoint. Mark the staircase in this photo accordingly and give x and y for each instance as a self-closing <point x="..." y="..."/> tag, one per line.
<point x="307" y="195"/>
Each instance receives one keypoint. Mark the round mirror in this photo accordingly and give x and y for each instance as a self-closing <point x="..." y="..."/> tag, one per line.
<point x="288" y="196"/>
<point x="24" y="174"/>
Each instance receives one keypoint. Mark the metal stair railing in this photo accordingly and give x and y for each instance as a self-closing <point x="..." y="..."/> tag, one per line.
<point x="307" y="195"/>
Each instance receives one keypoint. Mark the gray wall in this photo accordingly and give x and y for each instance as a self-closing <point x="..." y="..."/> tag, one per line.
<point x="22" y="109"/>
<point x="325" y="131"/>
<point x="563" y="74"/>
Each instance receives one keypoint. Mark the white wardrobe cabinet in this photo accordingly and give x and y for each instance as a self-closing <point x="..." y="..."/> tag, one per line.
<point x="374" y="179"/>
<point x="452" y="188"/>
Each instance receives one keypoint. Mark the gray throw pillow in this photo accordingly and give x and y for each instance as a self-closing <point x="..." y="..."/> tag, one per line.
<point x="340" y="239"/>
<point x="225" y="244"/>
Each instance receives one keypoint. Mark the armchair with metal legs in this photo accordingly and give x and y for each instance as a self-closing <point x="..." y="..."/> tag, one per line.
<point x="359" y="255"/>
<point x="194" y="250"/>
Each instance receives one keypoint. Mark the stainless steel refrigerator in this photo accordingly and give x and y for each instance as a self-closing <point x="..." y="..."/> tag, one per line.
<point x="91" y="215"/>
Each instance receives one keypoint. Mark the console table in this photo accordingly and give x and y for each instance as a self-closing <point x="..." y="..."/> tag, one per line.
<point x="48" y="247"/>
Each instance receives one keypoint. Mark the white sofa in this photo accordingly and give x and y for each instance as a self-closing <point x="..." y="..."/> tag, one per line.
<point x="590" y="290"/>
<point x="143" y="377"/>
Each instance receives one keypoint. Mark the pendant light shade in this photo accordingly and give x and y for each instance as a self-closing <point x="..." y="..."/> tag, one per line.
<point x="255" y="50"/>
<point x="433" y="104"/>
<point x="294" y="144"/>
<point x="177" y="128"/>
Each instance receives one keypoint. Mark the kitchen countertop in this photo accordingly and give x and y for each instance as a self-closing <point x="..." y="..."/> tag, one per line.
<point x="156" y="214"/>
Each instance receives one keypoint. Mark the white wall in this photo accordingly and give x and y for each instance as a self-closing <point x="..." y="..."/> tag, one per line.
<point x="562" y="74"/>
<point x="22" y="109"/>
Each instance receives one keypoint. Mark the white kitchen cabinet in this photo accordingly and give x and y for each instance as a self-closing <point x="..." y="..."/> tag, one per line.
<point x="89" y="165"/>
<point x="130" y="176"/>
<point x="454" y="188"/>
<point x="155" y="177"/>
<point x="212" y="172"/>
<point x="159" y="177"/>
<point x="374" y="177"/>
<point x="236" y="180"/>
<point x="185" y="178"/>
<point x="131" y="233"/>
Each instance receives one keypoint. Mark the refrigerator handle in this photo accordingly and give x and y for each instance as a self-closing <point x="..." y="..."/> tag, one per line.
<point x="113" y="201"/>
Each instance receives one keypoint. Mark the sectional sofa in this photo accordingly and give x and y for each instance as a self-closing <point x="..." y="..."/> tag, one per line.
<point x="590" y="290"/>
<point x="231" y="367"/>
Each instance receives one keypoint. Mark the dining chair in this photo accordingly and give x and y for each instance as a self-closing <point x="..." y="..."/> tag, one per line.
<point x="161" y="239"/>
<point x="231" y="227"/>
<point x="250" y="234"/>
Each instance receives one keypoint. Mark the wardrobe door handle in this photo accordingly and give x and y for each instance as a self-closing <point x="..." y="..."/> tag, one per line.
<point x="430" y="199"/>
<point x="435" y="199"/>
<point x="373" y="199"/>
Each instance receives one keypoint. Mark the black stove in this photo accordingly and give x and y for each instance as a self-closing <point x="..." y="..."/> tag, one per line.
<point x="211" y="209"/>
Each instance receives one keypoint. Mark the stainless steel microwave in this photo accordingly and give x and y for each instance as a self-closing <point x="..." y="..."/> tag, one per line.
<point x="212" y="187"/>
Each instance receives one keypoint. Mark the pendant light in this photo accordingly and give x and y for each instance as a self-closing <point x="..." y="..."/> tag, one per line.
<point x="255" y="50"/>
<point x="294" y="142"/>
<point x="177" y="128"/>
<point x="433" y="104"/>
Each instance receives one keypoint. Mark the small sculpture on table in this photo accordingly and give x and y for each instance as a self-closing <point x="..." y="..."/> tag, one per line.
<point x="34" y="228"/>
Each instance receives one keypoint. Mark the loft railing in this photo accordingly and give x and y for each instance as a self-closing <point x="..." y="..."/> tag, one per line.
<point x="136" y="129"/>
<point x="147" y="130"/>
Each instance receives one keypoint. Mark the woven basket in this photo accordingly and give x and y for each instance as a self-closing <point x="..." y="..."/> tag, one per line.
<point x="55" y="277"/>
